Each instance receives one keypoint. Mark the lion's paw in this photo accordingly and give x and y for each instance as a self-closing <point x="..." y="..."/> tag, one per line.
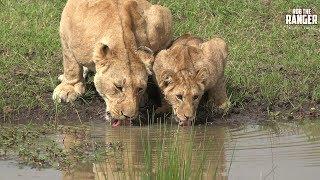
<point x="67" y="92"/>
<point x="60" y="78"/>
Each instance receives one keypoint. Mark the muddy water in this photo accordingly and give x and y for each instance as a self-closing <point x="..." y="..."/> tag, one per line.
<point x="278" y="151"/>
<point x="10" y="171"/>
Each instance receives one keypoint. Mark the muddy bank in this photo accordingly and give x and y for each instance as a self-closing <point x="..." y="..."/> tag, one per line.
<point x="85" y="111"/>
<point x="91" y="107"/>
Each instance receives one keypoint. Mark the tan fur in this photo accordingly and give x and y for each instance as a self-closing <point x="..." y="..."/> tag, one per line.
<point x="188" y="69"/>
<point x="105" y="36"/>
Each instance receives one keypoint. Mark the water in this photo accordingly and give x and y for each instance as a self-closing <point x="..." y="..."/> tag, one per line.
<point x="10" y="171"/>
<point x="278" y="151"/>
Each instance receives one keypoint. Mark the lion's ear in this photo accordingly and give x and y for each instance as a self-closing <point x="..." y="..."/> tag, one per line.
<point x="166" y="79"/>
<point x="99" y="54"/>
<point x="202" y="76"/>
<point x="146" y="56"/>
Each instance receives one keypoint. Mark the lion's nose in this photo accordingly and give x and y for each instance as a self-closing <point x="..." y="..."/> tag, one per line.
<point x="184" y="123"/>
<point x="128" y="117"/>
<point x="187" y="117"/>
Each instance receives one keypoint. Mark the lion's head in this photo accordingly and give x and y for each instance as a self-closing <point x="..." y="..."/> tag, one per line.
<point x="181" y="82"/>
<point x="121" y="80"/>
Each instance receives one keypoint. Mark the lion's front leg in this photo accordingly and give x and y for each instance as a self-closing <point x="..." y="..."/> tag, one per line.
<point x="218" y="95"/>
<point x="72" y="82"/>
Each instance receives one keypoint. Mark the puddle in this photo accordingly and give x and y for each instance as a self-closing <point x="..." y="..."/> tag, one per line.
<point x="9" y="170"/>
<point x="281" y="151"/>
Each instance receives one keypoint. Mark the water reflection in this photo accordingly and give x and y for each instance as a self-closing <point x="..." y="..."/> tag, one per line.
<point x="150" y="151"/>
<point x="282" y="151"/>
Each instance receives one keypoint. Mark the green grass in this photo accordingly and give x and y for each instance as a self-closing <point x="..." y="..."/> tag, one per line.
<point x="31" y="54"/>
<point x="269" y="62"/>
<point x="175" y="156"/>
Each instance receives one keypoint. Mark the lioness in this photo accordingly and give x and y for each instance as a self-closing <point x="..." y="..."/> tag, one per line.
<point x="188" y="69"/>
<point x="116" y="39"/>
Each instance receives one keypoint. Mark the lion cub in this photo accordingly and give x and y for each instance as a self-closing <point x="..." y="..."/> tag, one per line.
<point x="188" y="69"/>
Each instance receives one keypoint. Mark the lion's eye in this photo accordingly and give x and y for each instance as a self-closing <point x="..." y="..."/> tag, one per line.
<point x="179" y="97"/>
<point x="195" y="97"/>
<point x="119" y="88"/>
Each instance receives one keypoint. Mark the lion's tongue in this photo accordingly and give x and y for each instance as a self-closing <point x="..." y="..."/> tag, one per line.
<point x="116" y="123"/>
